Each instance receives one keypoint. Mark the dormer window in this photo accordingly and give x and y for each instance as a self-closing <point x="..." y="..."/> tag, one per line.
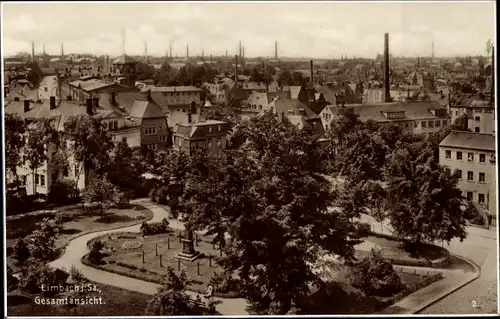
<point x="395" y="115"/>
<point x="219" y="128"/>
<point x="209" y="129"/>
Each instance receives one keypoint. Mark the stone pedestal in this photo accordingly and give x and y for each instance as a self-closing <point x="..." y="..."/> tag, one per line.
<point x="188" y="252"/>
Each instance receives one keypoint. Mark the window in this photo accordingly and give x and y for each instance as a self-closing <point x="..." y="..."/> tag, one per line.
<point x="163" y="138"/>
<point x="482" y="158"/>
<point x="209" y="129"/>
<point x="470" y="196"/>
<point x="445" y="122"/>
<point x="218" y="142"/>
<point x="424" y="124"/>
<point x="448" y="154"/>
<point x="124" y="139"/>
<point x="470" y="176"/>
<point x="23" y="180"/>
<point x="476" y="129"/>
<point x="150" y="130"/>
<point x="470" y="157"/>
<point x="42" y="180"/>
<point x="115" y="125"/>
<point x="218" y="128"/>
<point x="480" y="198"/>
<point x="45" y="89"/>
<point x="37" y="179"/>
<point x="459" y="156"/>
<point x="152" y="146"/>
<point x="438" y="123"/>
<point x="407" y="125"/>
<point x="431" y="124"/>
<point x="209" y="144"/>
<point x="459" y="173"/>
<point x="415" y="124"/>
<point x="477" y="118"/>
<point x="481" y="178"/>
<point x="492" y="158"/>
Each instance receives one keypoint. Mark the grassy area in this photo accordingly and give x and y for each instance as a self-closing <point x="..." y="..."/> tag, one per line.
<point x="402" y="253"/>
<point x="129" y="261"/>
<point x="116" y="302"/>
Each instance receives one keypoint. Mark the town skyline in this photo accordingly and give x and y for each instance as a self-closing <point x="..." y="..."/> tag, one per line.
<point x="317" y="30"/>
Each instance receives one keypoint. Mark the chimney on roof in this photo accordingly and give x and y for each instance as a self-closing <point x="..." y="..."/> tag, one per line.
<point x="149" y="95"/>
<point x="90" y="110"/>
<point x="386" y="92"/>
<point x="52" y="102"/>
<point x="312" y="72"/>
<point x="26" y="106"/>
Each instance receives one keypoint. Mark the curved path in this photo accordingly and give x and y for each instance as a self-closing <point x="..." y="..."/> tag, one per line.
<point x="77" y="248"/>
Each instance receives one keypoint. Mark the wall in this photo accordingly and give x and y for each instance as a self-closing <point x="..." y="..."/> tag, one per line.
<point x="48" y="87"/>
<point x="133" y="136"/>
<point x="425" y="130"/>
<point x="486" y="122"/>
<point x="161" y="130"/>
<point x="476" y="167"/>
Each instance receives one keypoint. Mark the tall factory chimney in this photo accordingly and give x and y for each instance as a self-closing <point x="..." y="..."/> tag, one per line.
<point x="235" y="69"/>
<point x="187" y="51"/>
<point x="240" y="49"/>
<point x="312" y="72"/>
<point x="276" y="50"/>
<point x="433" y="49"/>
<point x="62" y="51"/>
<point x="146" y="51"/>
<point x="32" y="51"/>
<point x="170" y="50"/>
<point x="386" y="93"/>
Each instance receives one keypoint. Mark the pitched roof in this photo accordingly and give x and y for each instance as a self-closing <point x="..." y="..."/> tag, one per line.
<point x="294" y="107"/>
<point x="254" y="86"/>
<point x="200" y="129"/>
<point x="146" y="110"/>
<point x="91" y="85"/>
<point x="48" y="71"/>
<point x="414" y="110"/>
<point x="470" y="140"/>
<point x="174" y="89"/>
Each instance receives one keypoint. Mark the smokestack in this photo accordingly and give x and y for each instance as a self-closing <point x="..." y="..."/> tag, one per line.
<point x="236" y="69"/>
<point x="170" y="50"/>
<point x="276" y="50"/>
<point x="146" y="51"/>
<point x="26" y="106"/>
<point x="240" y="49"/>
<point x="386" y="94"/>
<point x="187" y="51"/>
<point x="52" y="102"/>
<point x="89" y="107"/>
<point x="62" y="51"/>
<point x="312" y="72"/>
<point x="433" y="49"/>
<point x="32" y="51"/>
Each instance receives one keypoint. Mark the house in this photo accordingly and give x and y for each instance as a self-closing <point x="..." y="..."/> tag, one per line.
<point x="210" y="136"/>
<point x="49" y="86"/>
<point x="259" y="101"/>
<point x="217" y="92"/>
<point x="479" y="111"/>
<point x="472" y="155"/>
<point x="153" y="122"/>
<point x="81" y="90"/>
<point x="419" y="117"/>
<point x="296" y="113"/>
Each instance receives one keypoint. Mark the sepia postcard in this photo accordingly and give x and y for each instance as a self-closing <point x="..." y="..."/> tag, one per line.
<point x="249" y="158"/>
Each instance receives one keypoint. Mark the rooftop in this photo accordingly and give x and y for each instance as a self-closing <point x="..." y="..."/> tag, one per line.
<point x="470" y="140"/>
<point x="174" y="89"/>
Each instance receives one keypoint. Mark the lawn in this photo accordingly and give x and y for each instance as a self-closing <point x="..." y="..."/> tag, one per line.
<point x="82" y="221"/>
<point x="402" y="253"/>
<point x="128" y="260"/>
<point x="117" y="302"/>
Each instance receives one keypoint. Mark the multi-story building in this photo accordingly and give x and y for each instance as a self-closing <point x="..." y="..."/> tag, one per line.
<point x="259" y="101"/>
<point x="472" y="155"/>
<point x="296" y="113"/>
<point x="210" y="136"/>
<point x="49" y="86"/>
<point x="60" y="111"/>
<point x="419" y="117"/>
<point x="153" y="122"/>
<point x="88" y="87"/>
<point x="480" y="114"/>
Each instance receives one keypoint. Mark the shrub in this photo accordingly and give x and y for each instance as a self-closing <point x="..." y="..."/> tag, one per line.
<point x="64" y="217"/>
<point x="61" y="192"/>
<point x="155" y="228"/>
<point x="95" y="255"/>
<point x="21" y="251"/>
<point x="37" y="277"/>
<point x="364" y="229"/>
<point x="375" y="276"/>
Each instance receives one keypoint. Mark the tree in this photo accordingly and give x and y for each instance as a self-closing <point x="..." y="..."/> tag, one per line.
<point x="423" y="198"/>
<point x="125" y="169"/>
<point x="172" y="299"/>
<point x="376" y="202"/>
<point x="222" y="113"/>
<point x="21" y="251"/>
<point x="145" y="71"/>
<point x="35" y="74"/>
<point x="270" y="196"/>
<point x="42" y="241"/>
<point x="102" y="192"/>
<point x="40" y="135"/>
<point x="90" y="144"/>
<point x="15" y="128"/>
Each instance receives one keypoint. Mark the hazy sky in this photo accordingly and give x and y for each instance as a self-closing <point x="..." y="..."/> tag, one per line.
<point x="319" y="29"/>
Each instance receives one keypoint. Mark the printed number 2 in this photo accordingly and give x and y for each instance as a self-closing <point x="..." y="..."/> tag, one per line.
<point x="475" y="304"/>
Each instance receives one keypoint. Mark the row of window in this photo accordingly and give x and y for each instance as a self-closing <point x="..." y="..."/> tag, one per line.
<point x="480" y="197"/>
<point x="470" y="175"/>
<point x="151" y="130"/>
<point x="430" y="124"/>
<point x="210" y="128"/>
<point x="40" y="180"/>
<point x="180" y="93"/>
<point x="254" y="107"/>
<point x="470" y="156"/>
<point x="111" y="125"/>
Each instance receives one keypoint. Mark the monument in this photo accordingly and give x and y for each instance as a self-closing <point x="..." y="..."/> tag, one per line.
<point x="188" y="252"/>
